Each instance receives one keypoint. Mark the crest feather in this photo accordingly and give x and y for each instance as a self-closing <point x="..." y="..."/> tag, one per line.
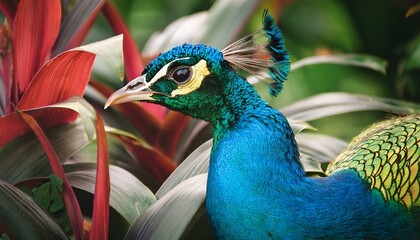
<point x="262" y="53"/>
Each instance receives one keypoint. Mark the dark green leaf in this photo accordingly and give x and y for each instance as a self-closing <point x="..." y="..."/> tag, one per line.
<point x="17" y="164"/>
<point x="31" y="222"/>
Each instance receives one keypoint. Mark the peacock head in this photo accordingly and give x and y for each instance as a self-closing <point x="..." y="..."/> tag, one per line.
<point x="195" y="79"/>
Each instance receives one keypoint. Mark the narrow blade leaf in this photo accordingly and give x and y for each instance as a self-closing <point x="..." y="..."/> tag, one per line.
<point x="100" y="216"/>
<point x="129" y="197"/>
<point x="17" y="165"/>
<point x="148" y="126"/>
<point x="322" y="148"/>
<point x="13" y="125"/>
<point x="357" y="60"/>
<point x="76" y="24"/>
<point x="216" y="27"/>
<point x="102" y="48"/>
<point x="328" y="104"/>
<point x="38" y="21"/>
<point x="72" y="205"/>
<point x="22" y="218"/>
<point x="195" y="164"/>
<point x="156" y="163"/>
<point x="63" y="77"/>
<point x="172" y="128"/>
<point x="170" y="216"/>
<point x="133" y="63"/>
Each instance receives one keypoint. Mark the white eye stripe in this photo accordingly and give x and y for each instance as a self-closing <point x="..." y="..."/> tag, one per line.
<point x="162" y="72"/>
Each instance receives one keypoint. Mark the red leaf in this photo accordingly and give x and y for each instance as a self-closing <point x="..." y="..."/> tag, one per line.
<point x="151" y="159"/>
<point x="36" y="28"/>
<point x="72" y="205"/>
<point x="171" y="132"/>
<point x="132" y="60"/>
<point x="77" y="23"/>
<point x="61" y="78"/>
<point x="13" y="126"/>
<point x="141" y="119"/>
<point x="100" y="215"/>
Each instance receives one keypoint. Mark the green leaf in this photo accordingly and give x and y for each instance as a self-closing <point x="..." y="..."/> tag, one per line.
<point x="31" y="222"/>
<point x="70" y="200"/>
<point x="328" y="104"/>
<point x="170" y="216"/>
<point x="14" y="126"/>
<point x="216" y="27"/>
<point x="357" y="60"/>
<point x="133" y="63"/>
<point x="4" y="237"/>
<point x="129" y="197"/>
<point x="48" y="195"/>
<point x="17" y="164"/>
<point x="195" y="164"/>
<point x="110" y="50"/>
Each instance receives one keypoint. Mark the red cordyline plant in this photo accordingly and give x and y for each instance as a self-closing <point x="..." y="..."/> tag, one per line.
<point x="42" y="81"/>
<point x="43" y="78"/>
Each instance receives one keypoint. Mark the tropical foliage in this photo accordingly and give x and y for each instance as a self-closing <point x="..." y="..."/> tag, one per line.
<point x="70" y="169"/>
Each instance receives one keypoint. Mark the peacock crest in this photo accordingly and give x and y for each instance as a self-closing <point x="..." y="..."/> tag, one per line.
<point x="262" y="54"/>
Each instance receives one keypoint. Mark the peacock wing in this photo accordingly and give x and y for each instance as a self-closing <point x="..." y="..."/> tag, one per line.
<point x="387" y="155"/>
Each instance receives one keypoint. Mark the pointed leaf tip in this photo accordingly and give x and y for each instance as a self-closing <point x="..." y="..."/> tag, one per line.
<point x="36" y="27"/>
<point x="72" y="205"/>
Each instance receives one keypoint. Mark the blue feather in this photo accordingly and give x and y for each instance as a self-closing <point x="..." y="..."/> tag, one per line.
<point x="279" y="71"/>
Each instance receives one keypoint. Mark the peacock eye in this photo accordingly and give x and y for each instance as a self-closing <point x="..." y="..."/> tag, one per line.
<point x="181" y="74"/>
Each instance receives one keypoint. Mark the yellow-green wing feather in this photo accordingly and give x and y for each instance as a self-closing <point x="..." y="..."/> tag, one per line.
<point x="387" y="155"/>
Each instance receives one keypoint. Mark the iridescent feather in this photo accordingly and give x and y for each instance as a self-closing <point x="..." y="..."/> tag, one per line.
<point x="387" y="155"/>
<point x="262" y="53"/>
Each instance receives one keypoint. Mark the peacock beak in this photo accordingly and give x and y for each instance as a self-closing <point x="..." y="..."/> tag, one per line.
<point x="135" y="90"/>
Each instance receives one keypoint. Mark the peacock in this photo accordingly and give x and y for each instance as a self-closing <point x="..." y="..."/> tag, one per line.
<point x="257" y="187"/>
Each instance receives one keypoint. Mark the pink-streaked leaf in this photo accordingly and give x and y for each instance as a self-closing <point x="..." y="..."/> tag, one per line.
<point x="140" y="118"/>
<point x="72" y="205"/>
<point x="61" y="78"/>
<point x="100" y="216"/>
<point x="13" y="126"/>
<point x="171" y="132"/>
<point x="36" y="28"/>
<point x="76" y="24"/>
<point x="133" y="63"/>
<point x="8" y="8"/>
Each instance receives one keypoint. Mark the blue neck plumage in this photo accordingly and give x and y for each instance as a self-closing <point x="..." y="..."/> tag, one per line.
<point x="260" y="134"/>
